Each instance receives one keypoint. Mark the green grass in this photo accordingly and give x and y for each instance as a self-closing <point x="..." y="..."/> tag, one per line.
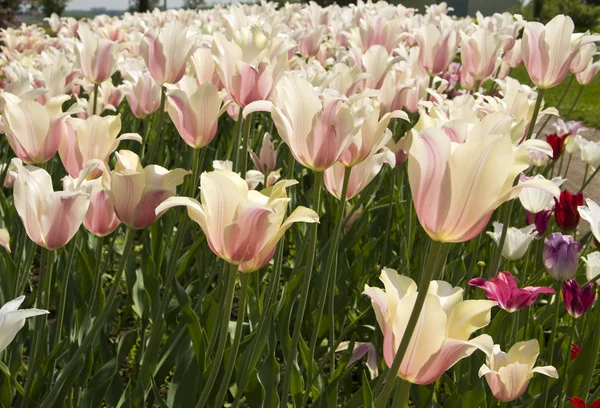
<point x="587" y="108"/>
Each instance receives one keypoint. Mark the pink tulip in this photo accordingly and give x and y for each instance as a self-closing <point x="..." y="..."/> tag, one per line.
<point x="143" y="95"/>
<point x="588" y="74"/>
<point x="266" y="160"/>
<point x="505" y="291"/>
<point x="309" y="40"/>
<point x="34" y="131"/>
<point x="251" y="64"/>
<point x="94" y="138"/>
<point x="478" y="53"/>
<point x="97" y="56"/>
<point x="51" y="218"/>
<point x="205" y="67"/>
<point x="437" y="48"/>
<point x="444" y="329"/>
<point x="514" y="56"/>
<point x="317" y="128"/>
<point x="456" y="187"/>
<point x="583" y="57"/>
<point x="136" y="191"/>
<point x="195" y="111"/>
<point x="166" y="52"/>
<point x="242" y="226"/>
<point x="548" y="51"/>
<point x="360" y="175"/>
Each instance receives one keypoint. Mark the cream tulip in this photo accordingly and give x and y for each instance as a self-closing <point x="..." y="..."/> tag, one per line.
<point x="12" y="320"/>
<point x="97" y="56"/>
<point x="517" y="240"/>
<point x="591" y="213"/>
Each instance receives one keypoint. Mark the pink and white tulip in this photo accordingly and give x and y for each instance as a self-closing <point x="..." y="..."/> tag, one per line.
<point x="437" y="48"/>
<point x="143" y="95"/>
<point x="97" y="56"/>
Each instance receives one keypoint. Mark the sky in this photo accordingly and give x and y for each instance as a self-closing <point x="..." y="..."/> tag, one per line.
<point x="112" y="4"/>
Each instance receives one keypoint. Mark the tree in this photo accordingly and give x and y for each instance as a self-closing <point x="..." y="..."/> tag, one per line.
<point x="53" y="6"/>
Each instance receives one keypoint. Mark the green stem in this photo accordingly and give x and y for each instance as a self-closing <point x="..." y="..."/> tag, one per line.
<point x="95" y="99"/>
<point x="588" y="179"/>
<point x="428" y="87"/>
<point x="536" y="111"/>
<point x="236" y="339"/>
<point x="223" y="332"/>
<point x="575" y="101"/>
<point x="596" y="350"/>
<point x="75" y="362"/>
<point x="565" y="375"/>
<point x="308" y="271"/>
<point x="552" y="341"/>
<point x="560" y="101"/>
<point x="506" y="213"/>
<point x="433" y="266"/>
<point x="158" y="138"/>
<point x="568" y="165"/>
<point x="386" y="238"/>
<point x="98" y="272"/>
<point x="329" y="279"/>
<point x="402" y="394"/>
<point x="242" y="164"/>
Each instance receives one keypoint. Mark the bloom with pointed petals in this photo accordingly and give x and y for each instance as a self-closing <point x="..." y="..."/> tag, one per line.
<point x="517" y="240"/>
<point x="359" y="351"/>
<point x="51" y="218"/>
<point x="445" y="325"/>
<point x="242" y="226"/>
<point x="456" y="187"/>
<point x="195" y="111"/>
<point x="592" y="263"/>
<point x="588" y="74"/>
<point x="143" y="95"/>
<point x="137" y="191"/>
<point x="12" y="320"/>
<point x="504" y="290"/>
<point x="566" y="210"/>
<point x="479" y="52"/>
<point x="265" y="161"/>
<point x="591" y="213"/>
<point x="94" y="138"/>
<point x="97" y="56"/>
<point x="561" y="256"/>
<point x="437" y="48"/>
<point x="578" y="299"/>
<point x="360" y="175"/>
<point x="557" y="143"/>
<point x="167" y="51"/>
<point x="549" y="50"/>
<point x="508" y="374"/>
<point x="577" y="402"/>
<point x="535" y="200"/>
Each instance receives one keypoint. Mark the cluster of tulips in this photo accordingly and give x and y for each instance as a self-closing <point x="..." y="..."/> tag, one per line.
<point x="403" y="151"/>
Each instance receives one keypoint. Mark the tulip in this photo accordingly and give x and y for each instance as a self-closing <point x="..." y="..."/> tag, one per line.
<point x="97" y="56"/>
<point x="317" y="129"/>
<point x="517" y="240"/>
<point x="136" y="192"/>
<point x="587" y="75"/>
<point x="478" y="53"/>
<point x="505" y="291"/>
<point x="557" y="143"/>
<point x="100" y="218"/>
<point x="12" y="320"/>
<point x="571" y="127"/>
<point x="359" y="351"/>
<point x="143" y="95"/>
<point x="444" y="327"/>
<point x="561" y="256"/>
<point x="195" y="111"/>
<point x="589" y="151"/>
<point x="34" y="131"/>
<point x="592" y="263"/>
<point x="166" y="52"/>
<point x="94" y="138"/>
<point x="205" y="67"/>
<point x="580" y="403"/>
<point x="548" y="51"/>
<point x="575" y="349"/>
<point x="51" y="218"/>
<point x="253" y="177"/>
<point x="360" y="175"/>
<point x="572" y="144"/>
<point x="265" y="161"/>
<point x="5" y="239"/>
<point x="578" y="299"/>
<point x="514" y="56"/>
<point x="456" y="187"/>
<point x="508" y="374"/>
<point x="566" y="210"/>
<point x="591" y="213"/>
<point x="535" y="200"/>
<point x="541" y="221"/>
<point x="241" y="226"/>
<point x="437" y="48"/>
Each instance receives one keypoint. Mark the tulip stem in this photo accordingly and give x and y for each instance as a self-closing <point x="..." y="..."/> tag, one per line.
<point x="552" y="340"/>
<point x="560" y="101"/>
<point x="574" y="102"/>
<point x="244" y="277"/>
<point x="561" y="399"/>
<point x="588" y="179"/>
<point x="98" y="272"/>
<point x="308" y="271"/>
<point x="243" y="163"/>
<point x="438" y="251"/>
<point x="536" y="111"/>
<point x="402" y="394"/>
<point x="568" y="165"/>
<point x="225" y="314"/>
<point x="506" y="213"/>
<point x="75" y="362"/>
<point x="95" y="99"/>
<point x="158" y="139"/>
<point x="329" y="279"/>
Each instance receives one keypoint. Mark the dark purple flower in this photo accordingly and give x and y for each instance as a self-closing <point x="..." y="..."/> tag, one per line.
<point x="561" y="256"/>
<point x="505" y="291"/>
<point x="578" y="299"/>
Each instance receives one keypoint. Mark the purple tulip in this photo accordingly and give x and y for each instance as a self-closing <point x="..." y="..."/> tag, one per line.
<point x="561" y="256"/>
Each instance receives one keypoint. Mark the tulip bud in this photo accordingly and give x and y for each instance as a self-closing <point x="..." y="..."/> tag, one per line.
<point x="592" y="263"/>
<point x="266" y="160"/>
<point x="566" y="212"/>
<point x="561" y="256"/>
<point x="578" y="299"/>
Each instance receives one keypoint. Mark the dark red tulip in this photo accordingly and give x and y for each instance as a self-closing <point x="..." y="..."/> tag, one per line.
<point x="575" y="349"/>
<point x="577" y="402"/>
<point x="577" y="298"/>
<point x="565" y="210"/>
<point x="557" y="143"/>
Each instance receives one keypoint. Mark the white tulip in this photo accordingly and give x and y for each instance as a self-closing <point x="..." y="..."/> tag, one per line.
<point x="12" y="320"/>
<point x="517" y="240"/>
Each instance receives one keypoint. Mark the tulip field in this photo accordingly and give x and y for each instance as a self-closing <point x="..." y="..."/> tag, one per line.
<point x="297" y="206"/>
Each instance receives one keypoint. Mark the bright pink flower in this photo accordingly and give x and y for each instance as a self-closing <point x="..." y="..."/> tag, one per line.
<point x="505" y="291"/>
